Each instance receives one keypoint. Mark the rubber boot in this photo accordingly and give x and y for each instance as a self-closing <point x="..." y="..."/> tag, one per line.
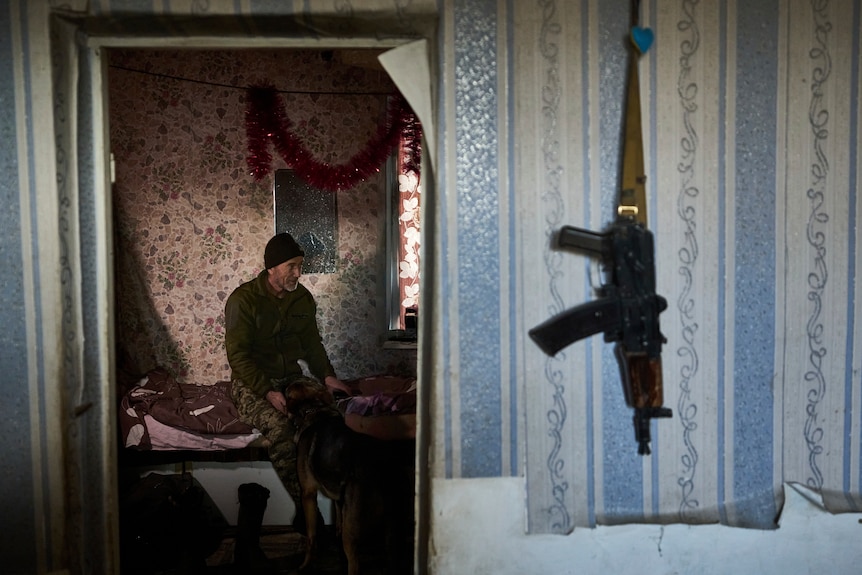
<point x="252" y="504"/>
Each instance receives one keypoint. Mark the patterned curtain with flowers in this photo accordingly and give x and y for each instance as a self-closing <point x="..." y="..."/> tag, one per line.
<point x="409" y="193"/>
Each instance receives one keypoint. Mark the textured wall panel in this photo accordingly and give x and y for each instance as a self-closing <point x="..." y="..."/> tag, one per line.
<point x="750" y="128"/>
<point x="478" y="275"/>
<point x="15" y="455"/>
<point x="818" y="234"/>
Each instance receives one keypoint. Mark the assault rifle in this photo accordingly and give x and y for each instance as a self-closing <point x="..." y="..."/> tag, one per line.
<point x="627" y="312"/>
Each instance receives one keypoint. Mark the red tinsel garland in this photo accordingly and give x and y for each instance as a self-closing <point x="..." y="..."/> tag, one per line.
<point x="267" y="120"/>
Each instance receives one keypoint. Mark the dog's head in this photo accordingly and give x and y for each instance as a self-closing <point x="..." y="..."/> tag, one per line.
<point x="306" y="395"/>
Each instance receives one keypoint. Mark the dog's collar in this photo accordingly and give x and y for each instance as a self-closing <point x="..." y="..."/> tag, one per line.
<point x="312" y="409"/>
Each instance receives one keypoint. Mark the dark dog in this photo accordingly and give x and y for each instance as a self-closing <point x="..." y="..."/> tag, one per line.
<point x="370" y="481"/>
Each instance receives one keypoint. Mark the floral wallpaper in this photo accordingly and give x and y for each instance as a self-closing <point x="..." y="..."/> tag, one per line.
<point x="191" y="223"/>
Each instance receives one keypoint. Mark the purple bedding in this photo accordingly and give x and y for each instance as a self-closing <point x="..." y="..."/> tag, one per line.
<point x="205" y="410"/>
<point x="162" y="414"/>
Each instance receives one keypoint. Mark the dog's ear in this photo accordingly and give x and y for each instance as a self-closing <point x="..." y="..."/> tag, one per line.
<point x="292" y="396"/>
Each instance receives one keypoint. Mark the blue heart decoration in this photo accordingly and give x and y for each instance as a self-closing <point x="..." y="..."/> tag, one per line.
<point x="642" y="38"/>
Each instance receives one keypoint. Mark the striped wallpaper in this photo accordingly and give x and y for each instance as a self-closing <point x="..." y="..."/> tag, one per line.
<point x="751" y="118"/>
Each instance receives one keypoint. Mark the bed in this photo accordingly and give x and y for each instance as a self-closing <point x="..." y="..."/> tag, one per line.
<point x="164" y="421"/>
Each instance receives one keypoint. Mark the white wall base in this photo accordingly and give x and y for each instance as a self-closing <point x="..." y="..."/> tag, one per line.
<point x="221" y="481"/>
<point x="478" y="528"/>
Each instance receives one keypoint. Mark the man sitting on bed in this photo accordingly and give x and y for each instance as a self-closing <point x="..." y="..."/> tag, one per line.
<point x="271" y="324"/>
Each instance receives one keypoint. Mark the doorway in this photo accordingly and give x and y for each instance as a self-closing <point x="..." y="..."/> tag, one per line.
<point x="124" y="42"/>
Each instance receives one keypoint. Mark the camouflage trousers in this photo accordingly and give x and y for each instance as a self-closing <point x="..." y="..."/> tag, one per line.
<point x="278" y="430"/>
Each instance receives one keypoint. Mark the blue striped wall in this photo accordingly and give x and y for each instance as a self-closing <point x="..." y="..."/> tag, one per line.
<point x="852" y="342"/>
<point x="477" y="140"/>
<point x="754" y="292"/>
<point x="622" y="471"/>
<point x="18" y="496"/>
<point x="751" y="133"/>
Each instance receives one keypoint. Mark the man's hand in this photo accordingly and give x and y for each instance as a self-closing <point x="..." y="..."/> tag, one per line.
<point x="334" y="384"/>
<point x="276" y="398"/>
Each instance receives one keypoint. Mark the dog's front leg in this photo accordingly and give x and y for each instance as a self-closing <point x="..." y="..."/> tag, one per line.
<point x="309" y="507"/>
<point x="350" y="529"/>
<point x="350" y="543"/>
<point x="339" y="512"/>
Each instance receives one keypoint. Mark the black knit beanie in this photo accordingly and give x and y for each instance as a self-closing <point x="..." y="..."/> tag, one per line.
<point x="279" y="249"/>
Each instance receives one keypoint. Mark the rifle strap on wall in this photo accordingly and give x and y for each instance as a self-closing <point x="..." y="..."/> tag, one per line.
<point x="632" y="201"/>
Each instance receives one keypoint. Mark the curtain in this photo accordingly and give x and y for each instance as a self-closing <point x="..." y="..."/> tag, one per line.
<point x="409" y="227"/>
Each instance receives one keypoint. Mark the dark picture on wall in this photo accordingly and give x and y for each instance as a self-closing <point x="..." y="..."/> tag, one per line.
<point x="310" y="215"/>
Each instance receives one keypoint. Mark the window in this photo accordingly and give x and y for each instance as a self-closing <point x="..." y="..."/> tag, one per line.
<point x="403" y="242"/>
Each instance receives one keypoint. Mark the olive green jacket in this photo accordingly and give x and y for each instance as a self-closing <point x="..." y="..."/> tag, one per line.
<point x="265" y="335"/>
